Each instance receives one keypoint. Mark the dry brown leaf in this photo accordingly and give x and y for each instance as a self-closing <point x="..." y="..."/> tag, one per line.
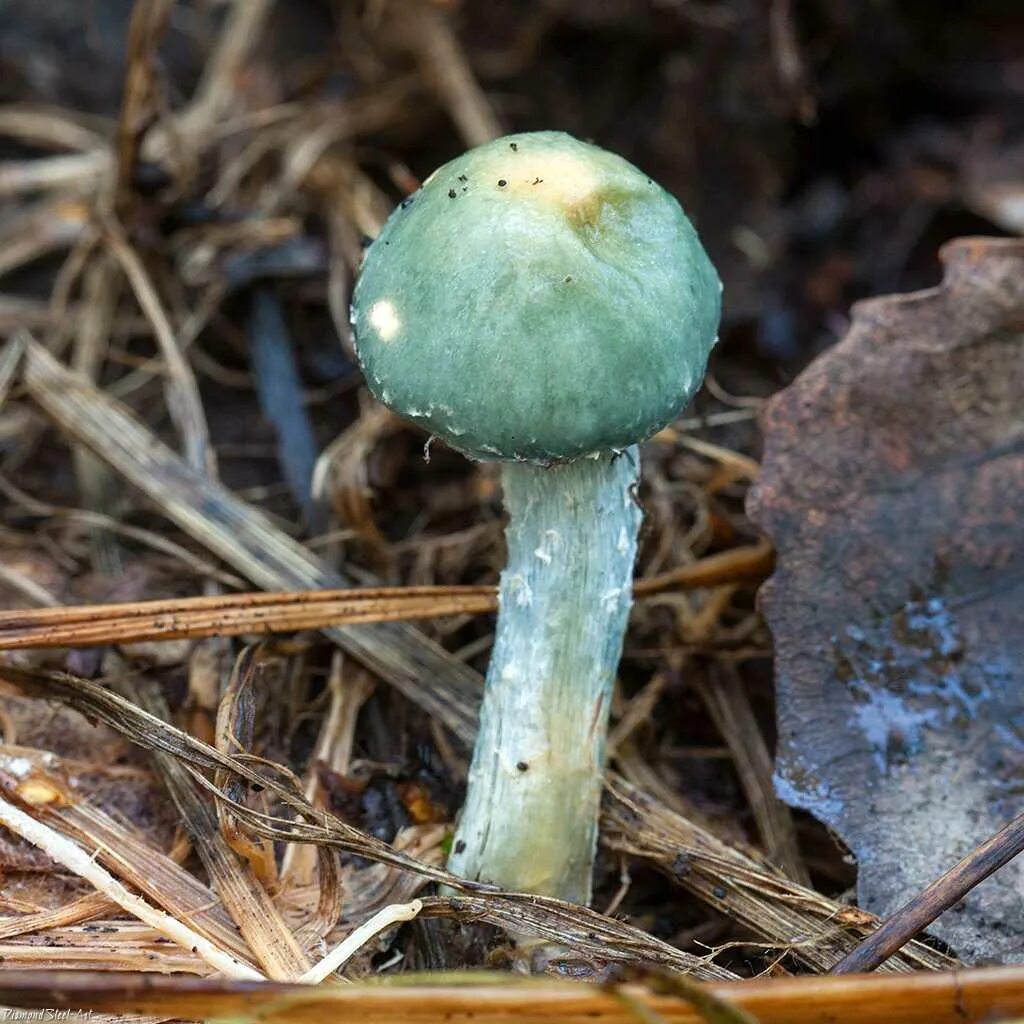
<point x="892" y="486"/>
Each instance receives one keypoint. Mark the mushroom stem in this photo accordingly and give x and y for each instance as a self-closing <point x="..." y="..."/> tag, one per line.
<point x="530" y="818"/>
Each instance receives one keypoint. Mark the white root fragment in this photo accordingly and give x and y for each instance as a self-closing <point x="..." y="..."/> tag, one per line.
<point x="74" y="858"/>
<point x="351" y="944"/>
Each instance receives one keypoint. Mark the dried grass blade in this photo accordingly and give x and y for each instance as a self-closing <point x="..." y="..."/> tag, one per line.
<point x="75" y="859"/>
<point x="235" y="731"/>
<point x="819" y="931"/>
<point x="97" y="485"/>
<point x="584" y="931"/>
<point x="257" y="613"/>
<point x="10" y="363"/>
<point x="181" y="389"/>
<point x="369" y="889"/>
<point x="46" y="227"/>
<point x="97" y="521"/>
<point x="81" y="172"/>
<point x="120" y="849"/>
<point x="562" y="923"/>
<point x="80" y="952"/>
<point x="348" y="691"/>
<point x="152" y="733"/>
<point x="218" y="88"/>
<point x="729" y="705"/>
<point x="85" y="908"/>
<point x="447" y="69"/>
<point x="422" y="670"/>
<point x="237" y="615"/>
<point x="49" y="127"/>
<point x="141" y="93"/>
<point x="951" y="997"/>
<point x="750" y="563"/>
<point x="241" y="893"/>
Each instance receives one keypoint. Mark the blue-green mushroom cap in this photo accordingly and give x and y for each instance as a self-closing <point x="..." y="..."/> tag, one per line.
<point x="537" y="299"/>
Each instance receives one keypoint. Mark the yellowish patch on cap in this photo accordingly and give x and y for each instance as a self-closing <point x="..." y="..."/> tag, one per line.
<point x="562" y="179"/>
<point x="384" y="319"/>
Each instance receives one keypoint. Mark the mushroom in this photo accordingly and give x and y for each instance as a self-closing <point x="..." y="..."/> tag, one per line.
<point x="543" y="303"/>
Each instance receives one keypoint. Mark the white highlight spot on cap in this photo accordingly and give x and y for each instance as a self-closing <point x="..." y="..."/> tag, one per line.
<point x="384" y="318"/>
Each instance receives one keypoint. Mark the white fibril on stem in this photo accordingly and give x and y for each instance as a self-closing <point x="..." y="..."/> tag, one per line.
<point x="530" y="817"/>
